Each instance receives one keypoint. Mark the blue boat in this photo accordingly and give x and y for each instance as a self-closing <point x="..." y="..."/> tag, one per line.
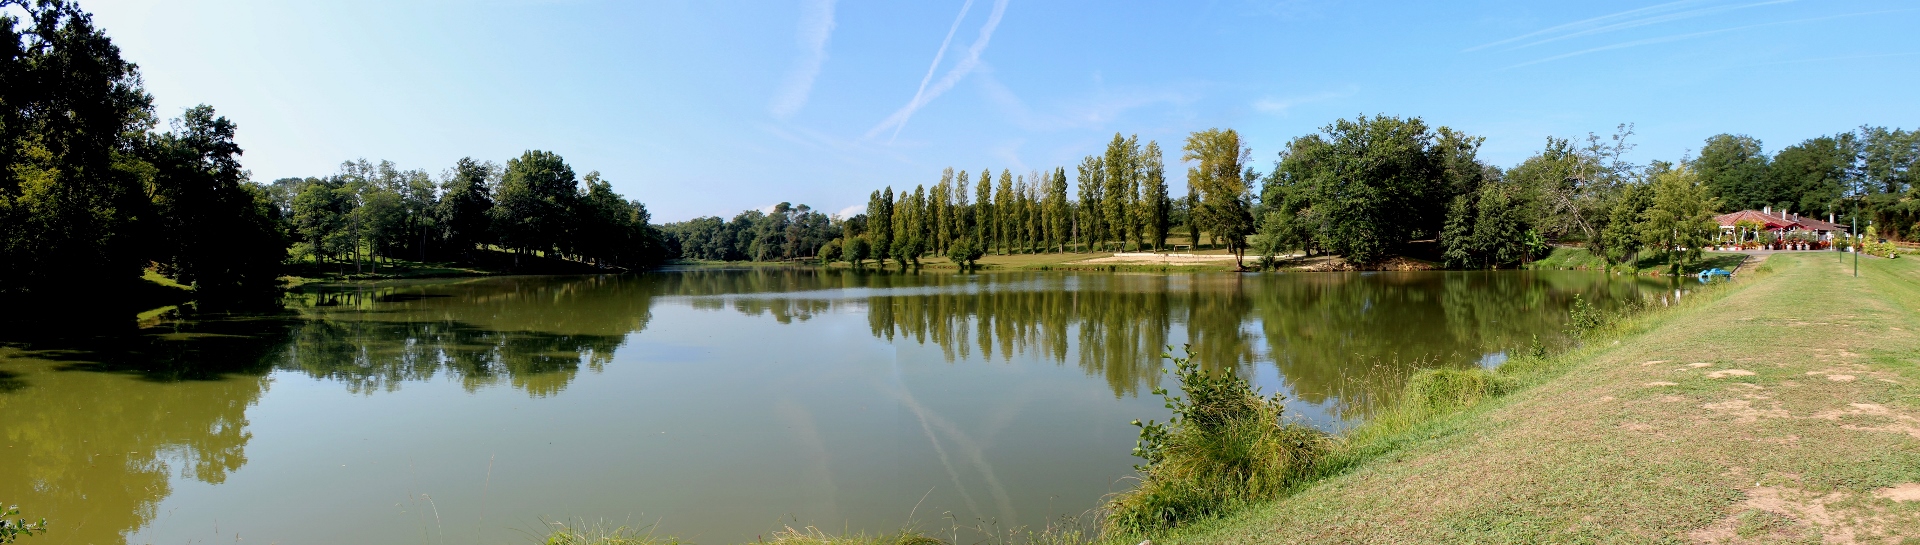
<point x="1716" y="271"/>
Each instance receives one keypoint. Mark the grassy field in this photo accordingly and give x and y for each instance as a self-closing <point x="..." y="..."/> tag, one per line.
<point x="1565" y="258"/>
<point x="1784" y="408"/>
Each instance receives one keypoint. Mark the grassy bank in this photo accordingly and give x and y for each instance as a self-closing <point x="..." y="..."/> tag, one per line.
<point x="1580" y="259"/>
<point x="1781" y="409"/>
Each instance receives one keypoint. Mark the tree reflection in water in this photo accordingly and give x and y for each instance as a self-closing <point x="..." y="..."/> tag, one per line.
<point x="101" y="420"/>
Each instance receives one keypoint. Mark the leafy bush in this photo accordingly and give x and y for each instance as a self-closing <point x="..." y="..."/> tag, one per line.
<point x="965" y="252"/>
<point x="11" y="530"/>
<point x="1583" y="317"/>
<point x="1225" y="445"/>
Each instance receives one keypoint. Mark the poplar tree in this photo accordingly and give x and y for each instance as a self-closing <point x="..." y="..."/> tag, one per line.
<point x="983" y="212"/>
<point x="1092" y="178"/>
<point x="1033" y="192"/>
<point x="1057" y="209"/>
<point x="962" y="212"/>
<point x="1119" y="189"/>
<point x="1003" y="193"/>
<point x="1154" y="208"/>
<point x="881" y="223"/>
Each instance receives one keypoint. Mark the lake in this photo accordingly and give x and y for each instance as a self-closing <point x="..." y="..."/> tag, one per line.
<point x="712" y="405"/>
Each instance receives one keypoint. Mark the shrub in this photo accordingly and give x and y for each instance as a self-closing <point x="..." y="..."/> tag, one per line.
<point x="1224" y="445"/>
<point x="831" y="252"/>
<point x="1583" y="317"/>
<point x="11" y="530"/>
<point x="965" y="252"/>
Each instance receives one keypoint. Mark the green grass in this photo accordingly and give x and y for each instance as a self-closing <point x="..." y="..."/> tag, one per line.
<point x="1569" y="258"/>
<point x="1773" y="409"/>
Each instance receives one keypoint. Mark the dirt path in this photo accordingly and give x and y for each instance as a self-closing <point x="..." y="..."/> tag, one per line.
<point x="1784" y="410"/>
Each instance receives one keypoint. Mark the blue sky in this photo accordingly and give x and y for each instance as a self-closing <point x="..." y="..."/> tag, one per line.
<point x="712" y="107"/>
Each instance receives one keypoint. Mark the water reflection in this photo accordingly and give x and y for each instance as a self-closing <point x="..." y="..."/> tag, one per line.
<point x="104" y="421"/>
<point x="533" y="334"/>
<point x="1343" y="340"/>
<point x="100" y="420"/>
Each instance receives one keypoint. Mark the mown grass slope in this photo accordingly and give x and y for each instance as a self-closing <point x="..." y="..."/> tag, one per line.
<point x="1786" y="409"/>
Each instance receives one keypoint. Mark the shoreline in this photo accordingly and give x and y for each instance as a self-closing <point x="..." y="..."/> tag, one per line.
<point x="1693" y="424"/>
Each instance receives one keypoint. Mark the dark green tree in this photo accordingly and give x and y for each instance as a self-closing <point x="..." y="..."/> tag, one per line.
<point x="466" y="197"/>
<point x="1372" y="184"/>
<point x="1622" y="234"/>
<point x="216" y="231"/>
<point x="530" y="204"/>
<point x="1734" y="168"/>
<point x="1814" y="174"/>
<point x="72" y="197"/>
<point x="1679" y="222"/>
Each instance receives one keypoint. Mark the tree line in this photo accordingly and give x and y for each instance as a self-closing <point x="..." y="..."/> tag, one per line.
<point x="1119" y="201"/>
<point x="1369" y="189"/>
<point x="93" y="192"/>
<point x="783" y="233"/>
<point x="534" y="205"/>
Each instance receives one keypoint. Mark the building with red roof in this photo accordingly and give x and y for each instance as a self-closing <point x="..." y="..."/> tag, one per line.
<point x="1781" y="224"/>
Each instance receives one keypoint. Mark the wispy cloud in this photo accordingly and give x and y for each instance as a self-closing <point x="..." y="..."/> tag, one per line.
<point x="816" y="27"/>
<point x="1281" y="105"/>
<point x="1093" y="110"/>
<point x="953" y="76"/>
<point x="1691" y="35"/>
<point x="1010" y="153"/>
<point x="851" y="211"/>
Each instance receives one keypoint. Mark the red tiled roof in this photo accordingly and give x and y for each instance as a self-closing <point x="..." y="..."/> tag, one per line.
<point x="1770" y="221"/>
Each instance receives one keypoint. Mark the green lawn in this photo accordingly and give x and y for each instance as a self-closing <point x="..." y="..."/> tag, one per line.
<point x="1785" y="408"/>
<point x="1567" y="258"/>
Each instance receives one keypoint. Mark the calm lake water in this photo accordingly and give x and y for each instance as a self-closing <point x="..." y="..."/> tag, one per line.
<point x="713" y="405"/>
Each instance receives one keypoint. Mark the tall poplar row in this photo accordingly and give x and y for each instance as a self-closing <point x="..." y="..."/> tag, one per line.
<point x="1121" y="198"/>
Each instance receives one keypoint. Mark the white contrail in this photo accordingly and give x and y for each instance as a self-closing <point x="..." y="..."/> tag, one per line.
<point x="1678" y="37"/>
<point x="942" y="53"/>
<point x="1661" y="8"/>
<point x="816" y="26"/>
<point x="960" y="70"/>
<point x="1650" y="20"/>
